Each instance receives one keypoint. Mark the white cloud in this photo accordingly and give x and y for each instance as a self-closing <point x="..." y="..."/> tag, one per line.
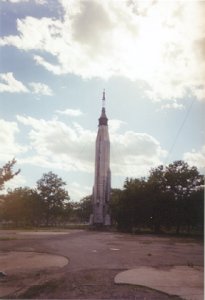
<point x="41" y="2"/>
<point x="78" y="191"/>
<point x="56" y="69"/>
<point x="134" y="154"/>
<point x="9" y="147"/>
<point x="46" y="35"/>
<point x="69" y="148"/>
<point x="10" y="84"/>
<point x="159" y="42"/>
<point x="173" y="105"/>
<point x="196" y="158"/>
<point x="40" y="88"/>
<point x="70" y="112"/>
<point x="115" y="124"/>
<point x="57" y="144"/>
<point x="17" y="181"/>
<point x="15" y="1"/>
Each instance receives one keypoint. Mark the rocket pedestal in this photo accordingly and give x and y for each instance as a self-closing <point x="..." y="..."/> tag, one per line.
<point x="102" y="183"/>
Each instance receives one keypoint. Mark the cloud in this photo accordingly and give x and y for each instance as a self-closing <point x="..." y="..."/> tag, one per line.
<point x="45" y="32"/>
<point x="134" y="154"/>
<point x="56" y="69"/>
<point x="115" y="125"/>
<point x="16" y="182"/>
<point x="15" y="1"/>
<point x="90" y="13"/>
<point x="8" y="144"/>
<point x="78" y="191"/>
<point x="41" y="2"/>
<point x="40" y="88"/>
<point x="173" y="105"/>
<point x="10" y="84"/>
<point x="72" y="148"/>
<point x="157" y="42"/>
<point x="70" y="112"/>
<point x="196" y="158"/>
<point x="54" y="145"/>
<point x="64" y="147"/>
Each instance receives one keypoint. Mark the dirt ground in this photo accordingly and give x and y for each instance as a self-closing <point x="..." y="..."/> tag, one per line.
<point x="93" y="261"/>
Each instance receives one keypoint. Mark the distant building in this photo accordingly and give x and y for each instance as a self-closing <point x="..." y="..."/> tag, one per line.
<point x="102" y="182"/>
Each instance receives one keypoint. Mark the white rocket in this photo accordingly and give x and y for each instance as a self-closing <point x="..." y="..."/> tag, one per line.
<point x="102" y="183"/>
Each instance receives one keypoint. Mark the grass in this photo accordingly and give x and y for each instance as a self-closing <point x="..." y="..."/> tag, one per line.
<point x="46" y="228"/>
<point x="7" y="238"/>
<point x="35" y="290"/>
<point x="135" y="231"/>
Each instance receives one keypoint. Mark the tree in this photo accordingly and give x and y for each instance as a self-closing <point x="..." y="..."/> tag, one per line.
<point x="170" y="190"/>
<point x="160" y="201"/>
<point x="53" y="195"/>
<point x="195" y="211"/>
<point x="182" y="181"/>
<point x="115" y="206"/>
<point x="81" y="211"/>
<point x="7" y="173"/>
<point x="120" y="210"/>
<point x="66" y="213"/>
<point x="85" y="208"/>
<point x="171" y="197"/>
<point x="129" y="207"/>
<point x="22" y="206"/>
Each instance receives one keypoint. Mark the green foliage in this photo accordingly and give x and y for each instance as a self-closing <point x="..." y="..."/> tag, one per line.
<point x="171" y="197"/>
<point x="51" y="191"/>
<point x="46" y="205"/>
<point x="22" y="206"/>
<point x="7" y="173"/>
<point x="85" y="208"/>
<point x="81" y="210"/>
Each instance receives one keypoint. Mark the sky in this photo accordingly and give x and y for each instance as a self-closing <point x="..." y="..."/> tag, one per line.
<point x="57" y="56"/>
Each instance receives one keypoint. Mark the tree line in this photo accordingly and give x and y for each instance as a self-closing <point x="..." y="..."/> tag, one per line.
<point x="48" y="204"/>
<point x="45" y="205"/>
<point x="170" y="198"/>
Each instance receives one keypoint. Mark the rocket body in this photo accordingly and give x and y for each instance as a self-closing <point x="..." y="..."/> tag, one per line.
<point x="102" y="181"/>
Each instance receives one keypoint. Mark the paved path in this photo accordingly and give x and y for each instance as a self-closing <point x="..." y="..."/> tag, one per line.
<point x="184" y="281"/>
<point x="95" y="258"/>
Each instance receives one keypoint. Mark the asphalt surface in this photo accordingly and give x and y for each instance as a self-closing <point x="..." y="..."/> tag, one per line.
<point x="95" y="258"/>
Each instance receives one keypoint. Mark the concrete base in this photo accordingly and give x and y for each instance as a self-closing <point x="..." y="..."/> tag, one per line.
<point x="183" y="281"/>
<point x="99" y="226"/>
<point x="107" y="220"/>
<point x="20" y="261"/>
<point x="13" y="264"/>
<point x="91" y="219"/>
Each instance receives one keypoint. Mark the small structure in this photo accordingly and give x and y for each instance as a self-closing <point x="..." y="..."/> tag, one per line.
<point x="102" y="184"/>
